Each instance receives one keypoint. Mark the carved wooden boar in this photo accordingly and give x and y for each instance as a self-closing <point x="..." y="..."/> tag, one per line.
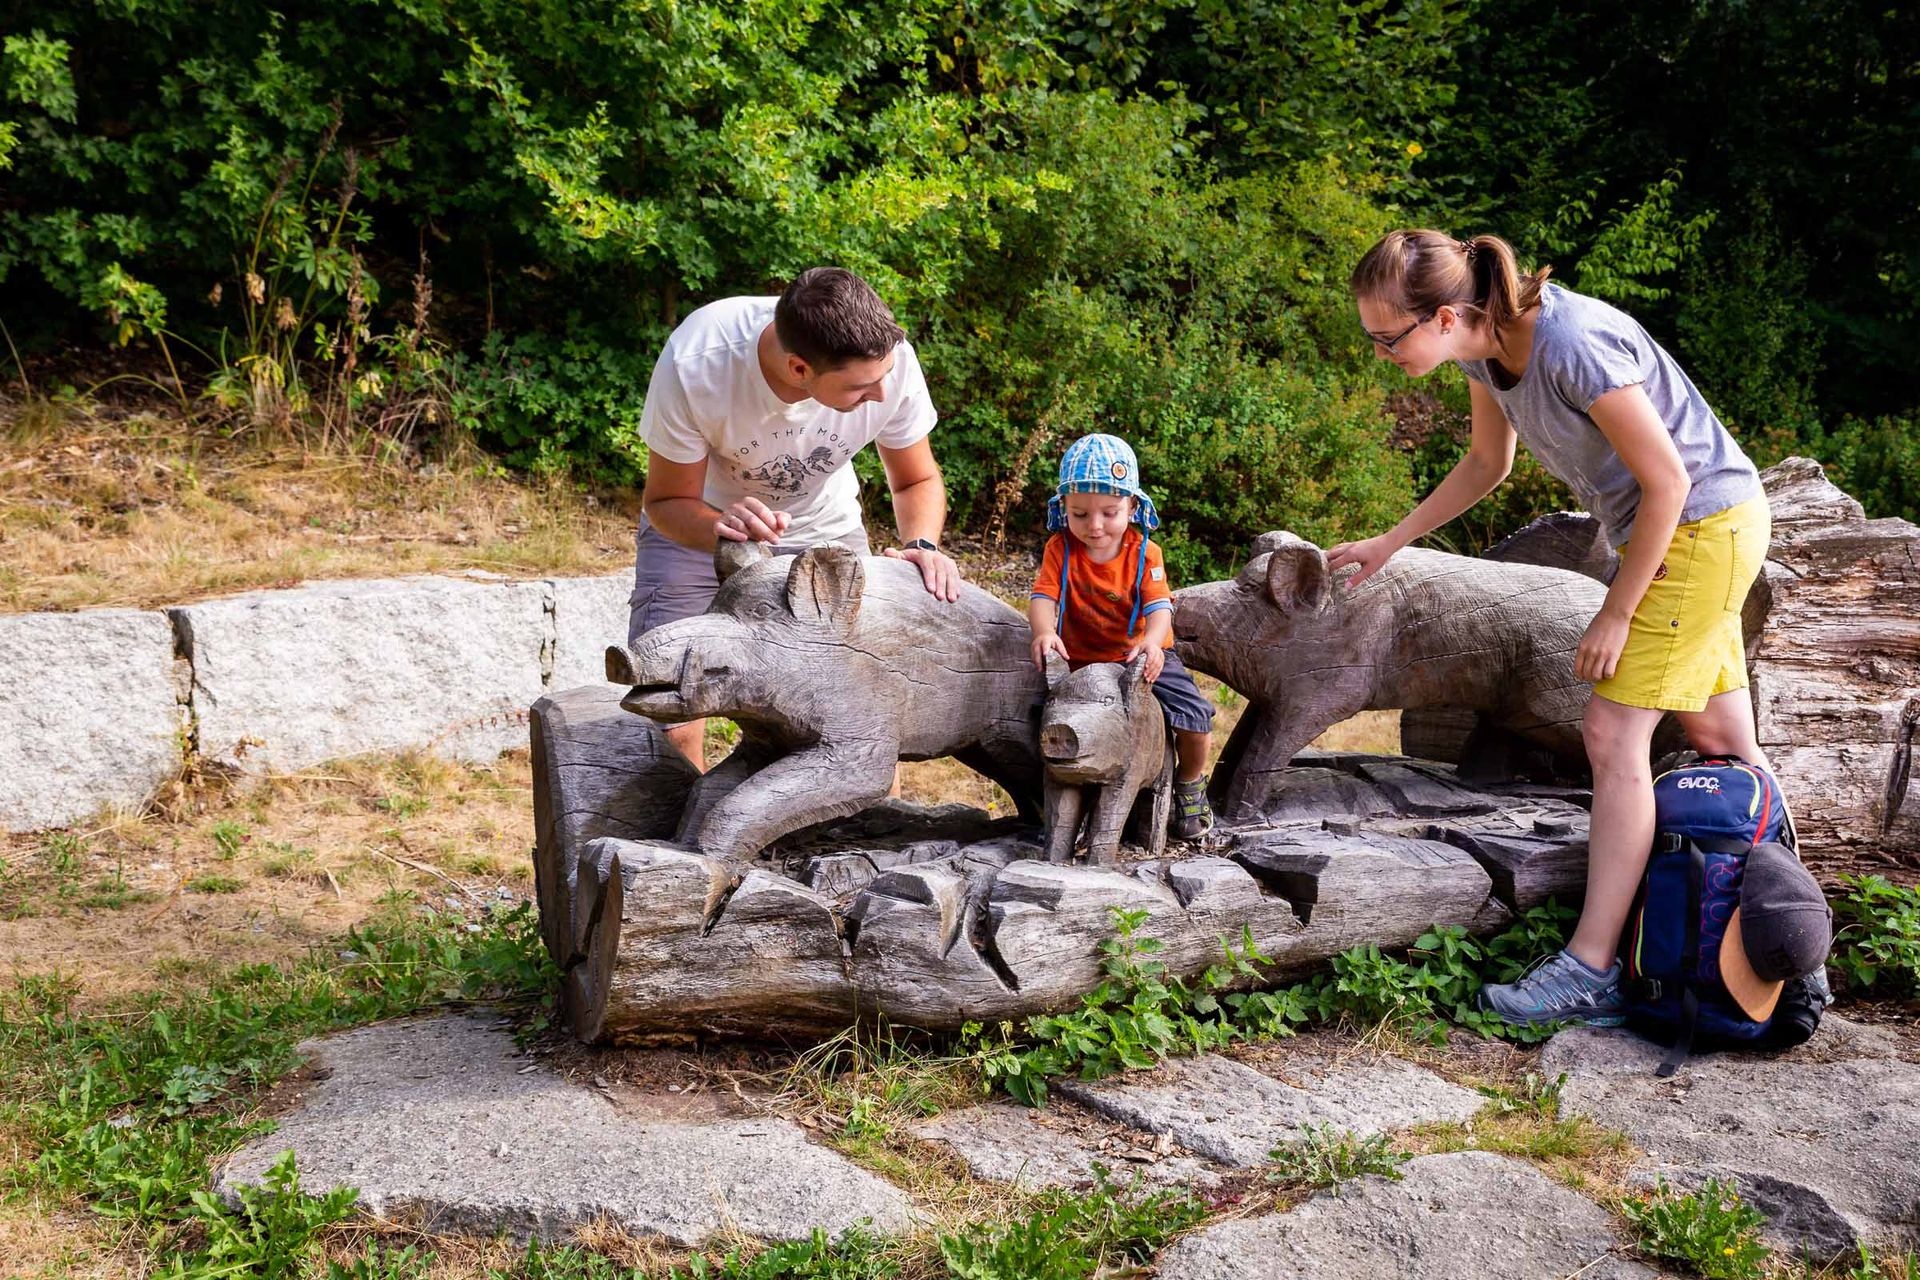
<point x="1104" y="740"/>
<point x="836" y="666"/>
<point x="1427" y="630"/>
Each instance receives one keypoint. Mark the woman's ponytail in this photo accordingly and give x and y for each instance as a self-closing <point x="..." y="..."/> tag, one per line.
<point x="1500" y="292"/>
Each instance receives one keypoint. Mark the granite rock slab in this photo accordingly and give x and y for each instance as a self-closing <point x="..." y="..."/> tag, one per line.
<point x="286" y="679"/>
<point x="1471" y="1213"/>
<point x="1030" y="1150"/>
<point x="442" y="1118"/>
<point x="1227" y="1111"/>
<point x="588" y="615"/>
<point x="91" y="715"/>
<point x="1821" y="1139"/>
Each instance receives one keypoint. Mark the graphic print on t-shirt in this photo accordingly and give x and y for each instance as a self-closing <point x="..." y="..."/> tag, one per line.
<point x="786" y="475"/>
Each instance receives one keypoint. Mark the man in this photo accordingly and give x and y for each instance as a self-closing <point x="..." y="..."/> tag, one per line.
<point x="756" y="408"/>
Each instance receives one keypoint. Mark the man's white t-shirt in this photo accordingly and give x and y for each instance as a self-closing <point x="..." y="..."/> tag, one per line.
<point x="709" y="399"/>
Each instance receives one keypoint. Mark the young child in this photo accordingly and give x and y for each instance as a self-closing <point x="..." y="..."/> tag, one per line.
<point x="1102" y="589"/>
<point x="1608" y="411"/>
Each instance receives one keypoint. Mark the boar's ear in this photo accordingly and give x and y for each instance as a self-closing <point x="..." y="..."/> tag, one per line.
<point x="825" y="585"/>
<point x="1134" y="682"/>
<point x="1269" y="541"/>
<point x="1250" y="574"/>
<point x="620" y="665"/>
<point x="729" y="557"/>
<point x="1056" y="669"/>
<point x="1297" y="576"/>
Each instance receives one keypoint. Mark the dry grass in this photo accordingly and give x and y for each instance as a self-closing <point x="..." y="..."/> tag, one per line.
<point x="40" y="1239"/>
<point x="148" y="509"/>
<point x="260" y="870"/>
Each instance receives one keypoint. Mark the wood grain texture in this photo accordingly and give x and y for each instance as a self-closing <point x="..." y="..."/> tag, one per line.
<point x="1104" y="740"/>
<point x="1832" y="626"/>
<point x="837" y="667"/>
<point x="1428" y="629"/>
<point x="670" y="943"/>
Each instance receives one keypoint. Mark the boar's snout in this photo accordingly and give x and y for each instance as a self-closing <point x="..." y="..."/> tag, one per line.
<point x="1058" y="742"/>
<point x="670" y="681"/>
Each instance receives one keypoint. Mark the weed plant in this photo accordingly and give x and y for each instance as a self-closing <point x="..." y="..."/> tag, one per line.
<point x="1712" y="1231"/>
<point x="1139" y="1014"/>
<point x="1877" y="943"/>
<point x="1326" y="1157"/>
<point x="1073" y="1236"/>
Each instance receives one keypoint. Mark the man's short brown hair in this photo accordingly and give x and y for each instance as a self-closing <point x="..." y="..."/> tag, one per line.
<point x="829" y="317"/>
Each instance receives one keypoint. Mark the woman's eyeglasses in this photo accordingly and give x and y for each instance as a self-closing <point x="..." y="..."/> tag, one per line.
<point x="1390" y="344"/>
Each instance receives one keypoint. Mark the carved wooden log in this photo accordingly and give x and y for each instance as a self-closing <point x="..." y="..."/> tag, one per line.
<point x="1427" y="629"/>
<point x="669" y="943"/>
<point x="837" y="667"/>
<point x="1104" y="739"/>
<point x="599" y="770"/>
<point x="1836" y="664"/>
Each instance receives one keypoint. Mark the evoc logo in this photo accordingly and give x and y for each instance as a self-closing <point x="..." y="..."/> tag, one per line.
<point x="1708" y="783"/>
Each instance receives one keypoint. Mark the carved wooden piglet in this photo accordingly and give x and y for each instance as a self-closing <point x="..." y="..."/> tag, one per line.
<point x="836" y="666"/>
<point x="1428" y="629"/>
<point x="1104" y="739"/>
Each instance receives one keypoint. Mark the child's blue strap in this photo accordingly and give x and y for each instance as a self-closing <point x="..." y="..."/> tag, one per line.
<point x="1139" y="576"/>
<point x="1066" y="555"/>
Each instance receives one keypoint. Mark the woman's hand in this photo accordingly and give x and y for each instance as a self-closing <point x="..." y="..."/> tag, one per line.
<point x="1156" y="659"/>
<point x="1369" y="554"/>
<point x="1599" y="654"/>
<point x="1050" y="642"/>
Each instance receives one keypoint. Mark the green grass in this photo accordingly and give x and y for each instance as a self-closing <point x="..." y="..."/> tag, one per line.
<point x="127" y="1107"/>
<point x="213" y="883"/>
<point x="1140" y="1015"/>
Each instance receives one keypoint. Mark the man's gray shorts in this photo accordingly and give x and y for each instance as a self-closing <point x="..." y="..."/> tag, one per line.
<point x="672" y="582"/>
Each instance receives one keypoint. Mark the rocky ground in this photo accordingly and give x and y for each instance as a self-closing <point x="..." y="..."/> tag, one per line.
<point x="446" y="1125"/>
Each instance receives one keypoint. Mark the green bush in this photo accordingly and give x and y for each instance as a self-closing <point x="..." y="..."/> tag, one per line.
<point x="1877" y="940"/>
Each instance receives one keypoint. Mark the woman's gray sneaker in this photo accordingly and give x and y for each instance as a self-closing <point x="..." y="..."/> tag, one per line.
<point x="1192" y="815"/>
<point x="1558" y="989"/>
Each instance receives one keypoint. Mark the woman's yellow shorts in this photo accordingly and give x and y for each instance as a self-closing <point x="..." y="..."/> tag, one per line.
<point x="1685" y="644"/>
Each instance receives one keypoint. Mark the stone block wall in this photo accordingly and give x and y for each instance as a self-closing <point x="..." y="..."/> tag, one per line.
<point x="99" y="708"/>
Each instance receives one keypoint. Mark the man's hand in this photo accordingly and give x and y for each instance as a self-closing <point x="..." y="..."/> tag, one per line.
<point x="1599" y="654"/>
<point x="1369" y="554"/>
<point x="1156" y="659"/>
<point x="1045" y="644"/>
<point x="937" y="570"/>
<point x="751" y="520"/>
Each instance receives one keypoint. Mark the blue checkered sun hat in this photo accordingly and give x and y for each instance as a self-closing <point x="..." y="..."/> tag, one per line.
<point x="1101" y="464"/>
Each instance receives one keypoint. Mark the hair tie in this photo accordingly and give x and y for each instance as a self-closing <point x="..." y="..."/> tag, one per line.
<point x="1470" y="249"/>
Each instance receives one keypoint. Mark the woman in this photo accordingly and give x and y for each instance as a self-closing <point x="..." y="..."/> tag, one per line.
<point x="1605" y="409"/>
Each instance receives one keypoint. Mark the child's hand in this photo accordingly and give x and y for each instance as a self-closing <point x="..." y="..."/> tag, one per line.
<point x="1048" y="643"/>
<point x="1156" y="659"/>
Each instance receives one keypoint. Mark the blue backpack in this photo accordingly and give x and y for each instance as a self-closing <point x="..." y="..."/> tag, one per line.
<point x="1708" y="817"/>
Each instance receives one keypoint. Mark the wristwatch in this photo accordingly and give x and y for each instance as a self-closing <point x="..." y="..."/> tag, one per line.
<point x="918" y="544"/>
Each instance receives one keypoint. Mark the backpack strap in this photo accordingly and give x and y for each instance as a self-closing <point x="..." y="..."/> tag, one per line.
<point x="1689" y="997"/>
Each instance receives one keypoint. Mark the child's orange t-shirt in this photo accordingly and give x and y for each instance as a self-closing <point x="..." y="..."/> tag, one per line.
<point x="1100" y="604"/>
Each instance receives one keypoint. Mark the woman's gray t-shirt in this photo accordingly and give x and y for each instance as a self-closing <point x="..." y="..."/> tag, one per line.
<point x="1582" y="349"/>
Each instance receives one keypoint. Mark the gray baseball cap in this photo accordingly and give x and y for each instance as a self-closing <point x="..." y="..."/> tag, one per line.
<point x="1782" y="929"/>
